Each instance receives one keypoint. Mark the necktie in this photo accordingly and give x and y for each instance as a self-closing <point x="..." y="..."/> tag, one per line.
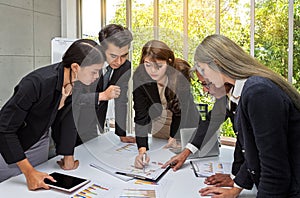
<point x="106" y="77"/>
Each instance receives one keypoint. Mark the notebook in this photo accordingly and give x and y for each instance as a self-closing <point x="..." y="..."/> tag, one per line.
<point x="209" y="148"/>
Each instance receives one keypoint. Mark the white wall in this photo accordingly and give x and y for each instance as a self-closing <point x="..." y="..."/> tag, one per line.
<point x="27" y="27"/>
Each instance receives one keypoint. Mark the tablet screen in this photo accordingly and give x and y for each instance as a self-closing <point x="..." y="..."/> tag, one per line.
<point x="66" y="182"/>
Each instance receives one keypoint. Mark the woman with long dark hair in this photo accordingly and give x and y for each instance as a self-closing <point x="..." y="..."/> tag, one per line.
<point x="163" y="102"/>
<point x="37" y="100"/>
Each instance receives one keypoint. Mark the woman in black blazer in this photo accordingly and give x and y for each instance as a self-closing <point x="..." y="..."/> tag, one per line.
<point x="267" y="119"/>
<point x="38" y="100"/>
<point x="162" y="99"/>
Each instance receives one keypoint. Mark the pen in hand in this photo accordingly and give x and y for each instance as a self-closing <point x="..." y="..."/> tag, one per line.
<point x="144" y="162"/>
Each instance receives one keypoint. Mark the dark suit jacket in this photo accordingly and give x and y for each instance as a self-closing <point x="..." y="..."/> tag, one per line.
<point x="269" y="125"/>
<point x="238" y="155"/>
<point x="209" y="127"/>
<point x="120" y="77"/>
<point x="64" y="131"/>
<point x="30" y="111"/>
<point x="88" y="112"/>
<point x="147" y="105"/>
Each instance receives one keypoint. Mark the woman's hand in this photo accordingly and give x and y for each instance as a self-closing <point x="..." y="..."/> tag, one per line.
<point x="68" y="163"/>
<point x="142" y="159"/>
<point x="177" y="161"/>
<point x="218" y="192"/>
<point x="34" y="178"/>
<point x="172" y="143"/>
<point x="219" y="180"/>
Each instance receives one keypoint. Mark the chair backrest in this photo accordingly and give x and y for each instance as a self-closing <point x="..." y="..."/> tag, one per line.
<point x="203" y="110"/>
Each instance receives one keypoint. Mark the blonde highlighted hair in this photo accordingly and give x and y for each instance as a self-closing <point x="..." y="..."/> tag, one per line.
<point x="221" y="53"/>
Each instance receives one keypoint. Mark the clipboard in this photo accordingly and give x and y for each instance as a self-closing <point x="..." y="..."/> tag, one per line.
<point x="195" y="169"/>
<point x="146" y="178"/>
<point x="209" y="168"/>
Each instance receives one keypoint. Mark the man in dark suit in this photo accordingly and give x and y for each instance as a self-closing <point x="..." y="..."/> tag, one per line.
<point x="113" y="81"/>
<point x="222" y="110"/>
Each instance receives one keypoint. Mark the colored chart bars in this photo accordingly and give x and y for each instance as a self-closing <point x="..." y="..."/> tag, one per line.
<point x="94" y="190"/>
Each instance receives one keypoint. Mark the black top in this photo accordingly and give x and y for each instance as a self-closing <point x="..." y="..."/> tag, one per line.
<point x="269" y="125"/>
<point x="64" y="131"/>
<point x="206" y="129"/>
<point x="30" y="111"/>
<point x="147" y="104"/>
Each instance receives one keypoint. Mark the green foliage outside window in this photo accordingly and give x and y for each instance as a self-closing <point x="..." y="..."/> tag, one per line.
<point x="271" y="32"/>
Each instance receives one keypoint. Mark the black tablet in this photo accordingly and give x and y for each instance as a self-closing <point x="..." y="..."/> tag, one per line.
<point x="66" y="183"/>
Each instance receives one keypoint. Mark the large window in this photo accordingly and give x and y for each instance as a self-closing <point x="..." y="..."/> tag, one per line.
<point x="115" y="11"/>
<point x="271" y="41"/>
<point x="235" y="21"/>
<point x="91" y="23"/>
<point x="183" y="24"/>
<point x="201" y="23"/>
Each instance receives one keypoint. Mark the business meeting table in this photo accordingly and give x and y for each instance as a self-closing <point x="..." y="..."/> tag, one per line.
<point x="179" y="184"/>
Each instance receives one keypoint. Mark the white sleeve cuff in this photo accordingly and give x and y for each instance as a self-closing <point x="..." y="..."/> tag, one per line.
<point x="232" y="176"/>
<point x="237" y="186"/>
<point x="191" y="147"/>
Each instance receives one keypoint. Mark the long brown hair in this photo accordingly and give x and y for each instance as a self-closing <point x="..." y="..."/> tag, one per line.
<point x="184" y="67"/>
<point x="221" y="53"/>
<point x="157" y="50"/>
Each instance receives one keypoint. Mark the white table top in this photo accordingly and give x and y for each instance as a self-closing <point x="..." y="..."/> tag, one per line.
<point x="182" y="183"/>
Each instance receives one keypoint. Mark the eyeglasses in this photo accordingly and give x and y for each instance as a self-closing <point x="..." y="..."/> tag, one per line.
<point x="199" y="69"/>
<point x="206" y="85"/>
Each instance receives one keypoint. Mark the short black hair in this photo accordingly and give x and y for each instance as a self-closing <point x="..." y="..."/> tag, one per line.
<point x="84" y="52"/>
<point x="115" y="34"/>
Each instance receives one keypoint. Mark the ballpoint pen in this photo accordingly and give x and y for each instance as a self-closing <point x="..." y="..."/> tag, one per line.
<point x="144" y="162"/>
